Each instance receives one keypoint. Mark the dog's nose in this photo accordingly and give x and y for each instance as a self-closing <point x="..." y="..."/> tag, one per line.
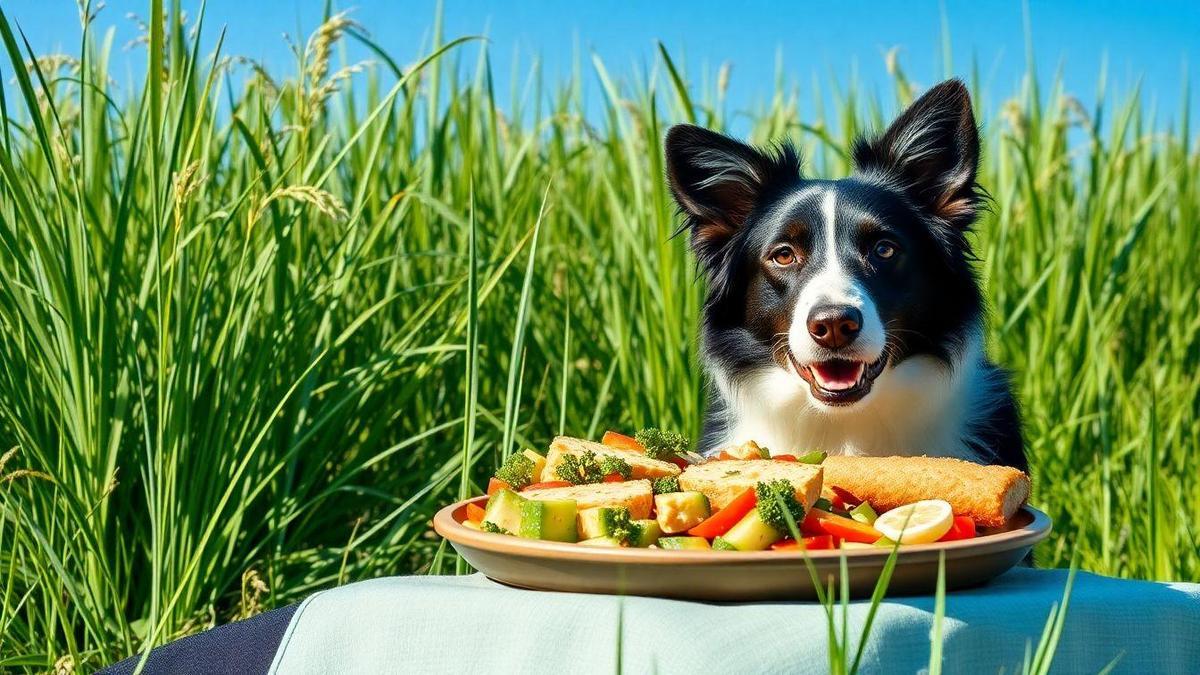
<point x="834" y="326"/>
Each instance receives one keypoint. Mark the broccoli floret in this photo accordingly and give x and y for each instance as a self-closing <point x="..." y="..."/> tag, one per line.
<point x="662" y="445"/>
<point x="621" y="526"/>
<point x="517" y="471"/>
<point x="776" y="500"/>
<point x="489" y="526"/>
<point x="613" y="464"/>
<point x="580" y="469"/>
<point x="664" y="484"/>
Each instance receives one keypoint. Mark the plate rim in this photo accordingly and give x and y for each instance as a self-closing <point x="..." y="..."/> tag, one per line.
<point x="448" y="527"/>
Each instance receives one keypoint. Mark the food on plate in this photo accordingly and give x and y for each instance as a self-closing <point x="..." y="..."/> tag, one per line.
<point x="722" y="481"/>
<point x="571" y="455"/>
<point x="989" y="495"/>
<point x="649" y="490"/>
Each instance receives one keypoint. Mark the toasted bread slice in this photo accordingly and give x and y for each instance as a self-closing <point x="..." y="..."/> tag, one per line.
<point x="723" y="481"/>
<point x="990" y="495"/>
<point x="643" y="466"/>
<point x="634" y="495"/>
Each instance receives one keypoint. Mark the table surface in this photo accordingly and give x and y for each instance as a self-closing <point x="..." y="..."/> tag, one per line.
<point x="470" y="624"/>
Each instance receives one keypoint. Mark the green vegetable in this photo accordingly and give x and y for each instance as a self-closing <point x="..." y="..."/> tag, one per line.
<point x="610" y="521"/>
<point x="665" y="485"/>
<point x="863" y="513"/>
<point x="814" y="457"/>
<point x="580" y="469"/>
<point x="517" y="471"/>
<point x="752" y="533"/>
<point x="503" y="511"/>
<point x="777" y="500"/>
<point x="680" y="511"/>
<point x="823" y="504"/>
<point x="489" y="526"/>
<point x="553" y="520"/>
<point x="683" y="543"/>
<point x="610" y="464"/>
<point x="647" y="534"/>
<point x="719" y="544"/>
<point x="662" y="445"/>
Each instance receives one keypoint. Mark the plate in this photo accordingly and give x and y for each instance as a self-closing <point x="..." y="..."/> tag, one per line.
<point x="733" y="575"/>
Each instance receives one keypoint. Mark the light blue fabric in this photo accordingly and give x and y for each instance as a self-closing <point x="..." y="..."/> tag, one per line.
<point x="472" y="625"/>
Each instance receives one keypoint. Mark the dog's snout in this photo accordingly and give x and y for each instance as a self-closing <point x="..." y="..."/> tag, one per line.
<point x="834" y="326"/>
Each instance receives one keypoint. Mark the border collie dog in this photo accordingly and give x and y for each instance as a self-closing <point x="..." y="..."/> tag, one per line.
<point x="844" y="315"/>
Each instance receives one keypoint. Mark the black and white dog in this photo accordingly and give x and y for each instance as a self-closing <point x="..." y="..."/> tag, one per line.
<point x="844" y="315"/>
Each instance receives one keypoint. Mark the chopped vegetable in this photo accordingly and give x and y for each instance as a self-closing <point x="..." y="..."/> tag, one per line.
<point x="489" y="526"/>
<point x="785" y="458"/>
<point x="963" y="528"/>
<point x="752" y="533"/>
<point x="665" y="485"/>
<point x="610" y="464"/>
<point x="475" y="513"/>
<point x="580" y="469"/>
<point x="720" y="522"/>
<point x="823" y="504"/>
<point x="814" y="457"/>
<point x="613" y="478"/>
<point x="495" y="485"/>
<point x="680" y="511"/>
<point x="517" y="471"/>
<point x="863" y="513"/>
<point x="821" y="542"/>
<point x="823" y="522"/>
<point x="720" y="544"/>
<point x="617" y="440"/>
<point x="661" y="444"/>
<point x="772" y="499"/>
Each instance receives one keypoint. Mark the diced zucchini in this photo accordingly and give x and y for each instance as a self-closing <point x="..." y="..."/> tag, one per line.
<point x="751" y="533"/>
<point x="648" y="533"/>
<point x="814" y="457"/>
<point x="684" y="543"/>
<point x="680" y="511"/>
<point x="850" y="545"/>
<point x="539" y="463"/>
<point x="504" y="510"/>
<point x="719" y="544"/>
<point x="553" y="520"/>
<point x="863" y="513"/>
<point x="600" y="521"/>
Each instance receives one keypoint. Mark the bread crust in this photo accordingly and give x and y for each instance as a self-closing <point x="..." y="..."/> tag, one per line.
<point x="990" y="495"/>
<point x="722" y="481"/>
<point x="635" y="495"/>
<point x="642" y="466"/>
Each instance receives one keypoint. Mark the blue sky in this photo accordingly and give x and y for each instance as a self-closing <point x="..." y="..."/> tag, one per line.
<point x="1150" y="40"/>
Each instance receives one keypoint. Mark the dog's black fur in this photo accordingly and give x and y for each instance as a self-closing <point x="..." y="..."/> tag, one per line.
<point x="893" y="239"/>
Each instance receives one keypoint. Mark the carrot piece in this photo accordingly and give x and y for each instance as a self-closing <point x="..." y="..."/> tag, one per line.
<point x="546" y="484"/>
<point x="475" y="513"/>
<point x="723" y="455"/>
<point x="963" y="528"/>
<point x="614" y="477"/>
<point x="720" y="522"/>
<point x="785" y="458"/>
<point x="495" y="485"/>
<point x="618" y="440"/>
<point x="823" y="522"/>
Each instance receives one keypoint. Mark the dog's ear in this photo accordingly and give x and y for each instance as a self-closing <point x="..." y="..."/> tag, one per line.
<point x="717" y="182"/>
<point x="932" y="152"/>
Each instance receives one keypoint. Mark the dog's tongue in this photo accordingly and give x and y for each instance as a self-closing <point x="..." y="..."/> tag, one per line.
<point x="837" y="375"/>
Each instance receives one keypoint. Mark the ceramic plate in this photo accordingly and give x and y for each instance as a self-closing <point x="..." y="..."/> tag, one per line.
<point x="732" y="575"/>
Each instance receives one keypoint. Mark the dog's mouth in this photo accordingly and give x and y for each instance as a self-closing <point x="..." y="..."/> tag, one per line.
<point x="839" y="381"/>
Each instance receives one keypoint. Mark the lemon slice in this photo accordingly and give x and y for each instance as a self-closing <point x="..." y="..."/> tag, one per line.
<point x="921" y="522"/>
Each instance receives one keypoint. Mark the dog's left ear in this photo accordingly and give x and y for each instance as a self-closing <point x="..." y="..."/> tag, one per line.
<point x="932" y="152"/>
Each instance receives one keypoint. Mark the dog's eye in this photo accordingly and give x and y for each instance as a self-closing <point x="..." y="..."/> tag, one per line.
<point x="884" y="249"/>
<point x="783" y="256"/>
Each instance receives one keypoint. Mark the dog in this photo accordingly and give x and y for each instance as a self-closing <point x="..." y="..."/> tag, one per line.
<point x="845" y="315"/>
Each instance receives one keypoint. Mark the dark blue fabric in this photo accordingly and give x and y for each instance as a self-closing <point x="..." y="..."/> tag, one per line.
<point x="243" y="647"/>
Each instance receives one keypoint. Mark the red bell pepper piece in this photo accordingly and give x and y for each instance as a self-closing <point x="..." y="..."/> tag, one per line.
<point x="719" y="523"/>
<point x="495" y="485"/>
<point x="613" y="477"/>
<point x="618" y="440"/>
<point x="475" y="513"/>
<point x="818" y="522"/>
<point x="963" y="528"/>
<point x="786" y="458"/>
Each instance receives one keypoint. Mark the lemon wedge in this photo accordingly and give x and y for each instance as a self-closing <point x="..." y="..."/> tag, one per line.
<point x="921" y="522"/>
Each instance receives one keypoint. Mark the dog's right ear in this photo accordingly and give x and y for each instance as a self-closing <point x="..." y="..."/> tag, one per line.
<point x="717" y="182"/>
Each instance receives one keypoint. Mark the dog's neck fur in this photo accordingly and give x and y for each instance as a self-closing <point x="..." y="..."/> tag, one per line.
<point x="922" y="406"/>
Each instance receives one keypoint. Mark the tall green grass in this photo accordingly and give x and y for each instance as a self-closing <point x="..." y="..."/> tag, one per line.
<point x="255" y="327"/>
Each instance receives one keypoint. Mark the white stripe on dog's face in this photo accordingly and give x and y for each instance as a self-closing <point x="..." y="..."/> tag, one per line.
<point x="832" y="284"/>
